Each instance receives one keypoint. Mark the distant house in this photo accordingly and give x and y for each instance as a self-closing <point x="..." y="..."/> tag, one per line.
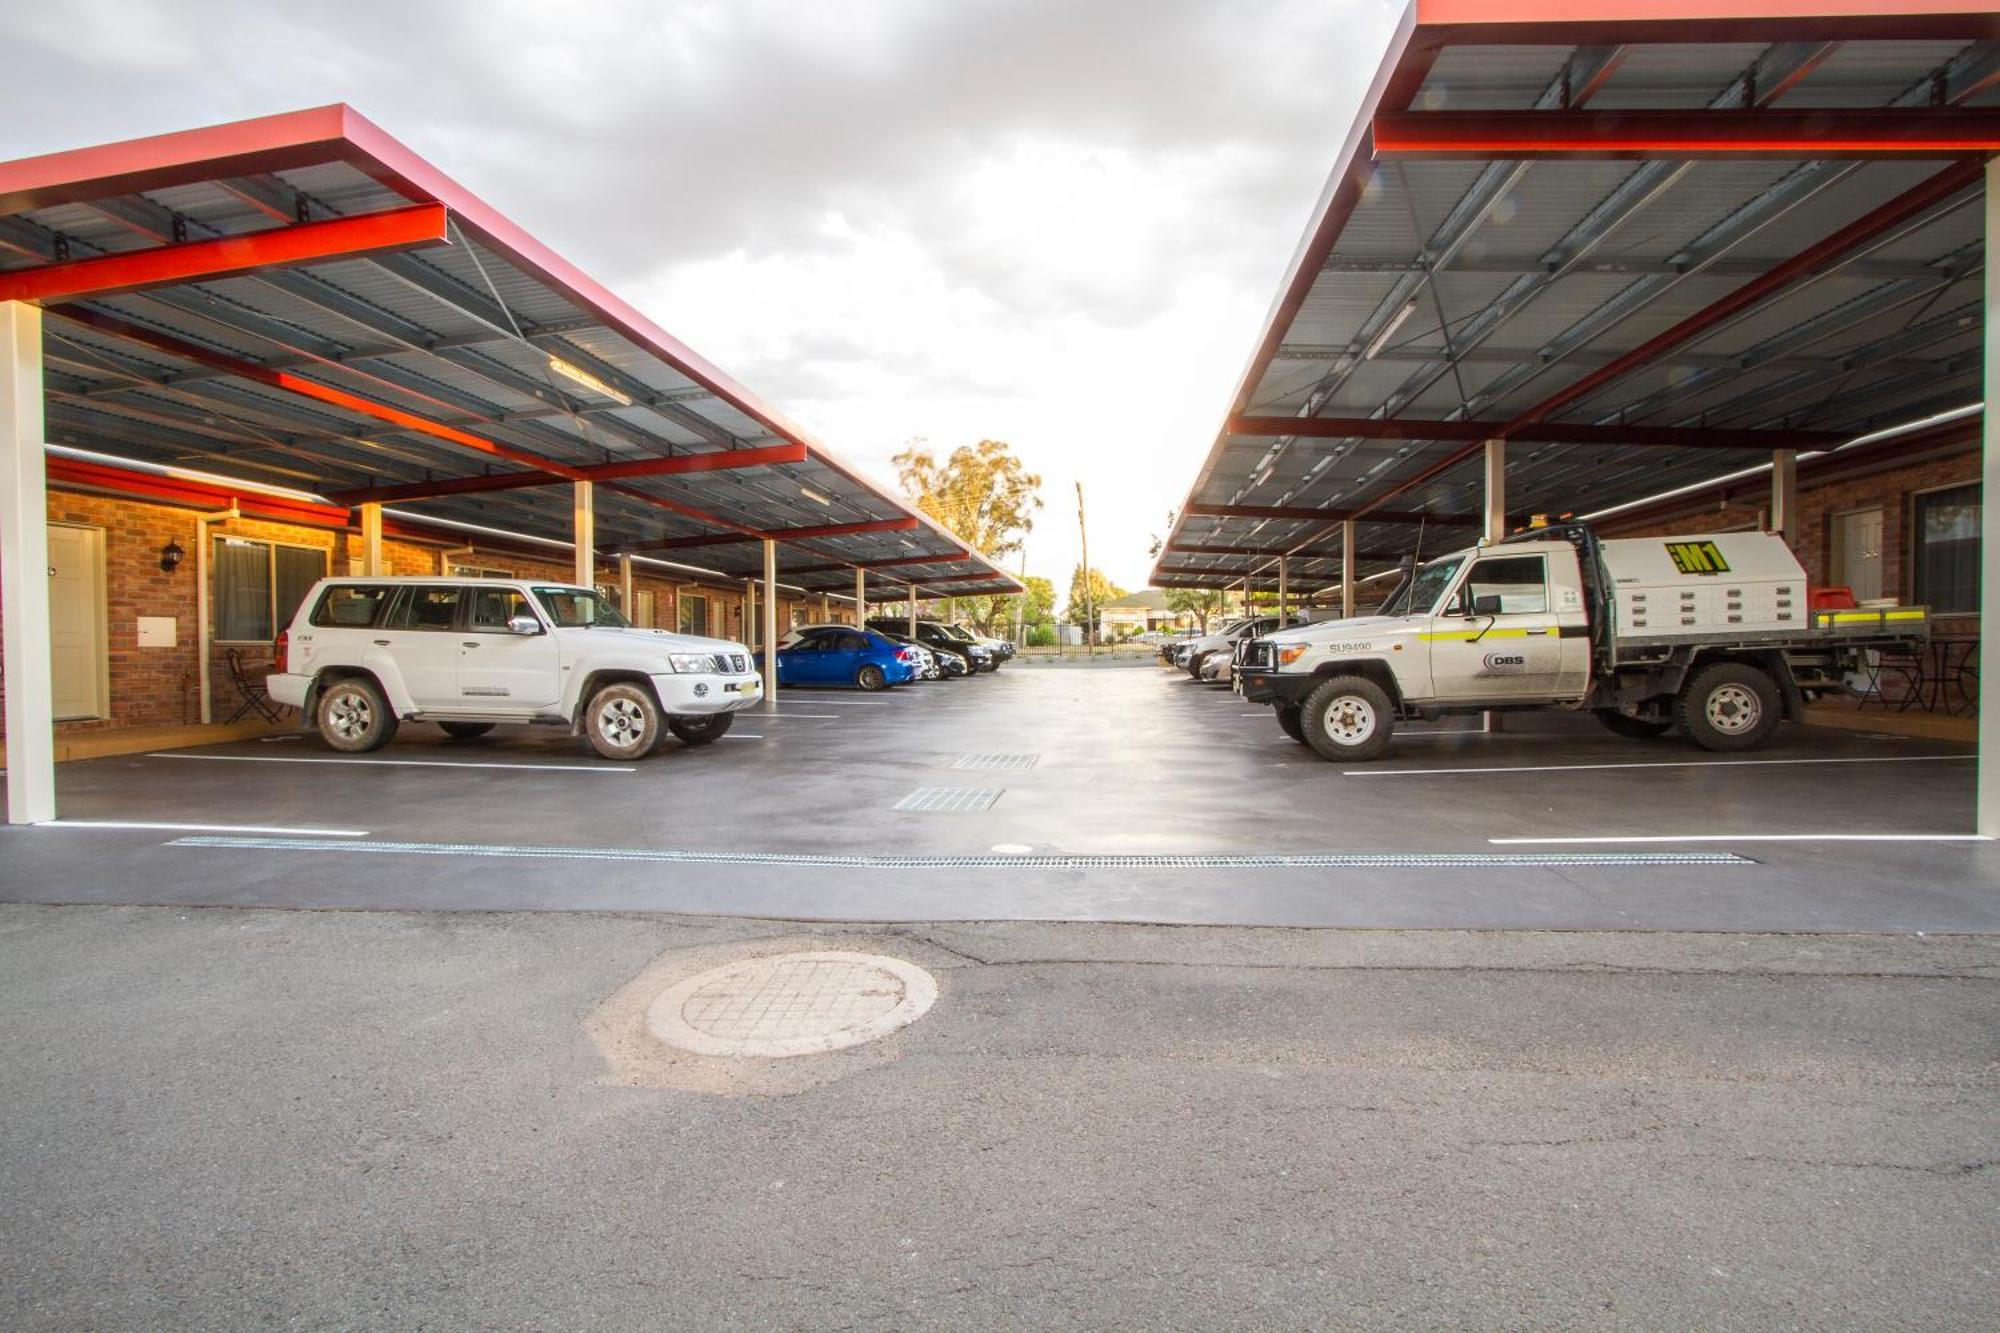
<point x="1137" y="612"/>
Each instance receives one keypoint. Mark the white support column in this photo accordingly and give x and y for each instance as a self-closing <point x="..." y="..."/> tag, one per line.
<point x="583" y="529"/>
<point x="1495" y="526"/>
<point x="625" y="584"/>
<point x="913" y="610"/>
<point x="825" y="609"/>
<point x="1284" y="588"/>
<point x="25" y="641"/>
<point x="1785" y="495"/>
<point x="770" y="620"/>
<point x="860" y="595"/>
<point x="1347" y="569"/>
<point x="371" y="540"/>
<point x="750" y="614"/>
<point x="1987" y="816"/>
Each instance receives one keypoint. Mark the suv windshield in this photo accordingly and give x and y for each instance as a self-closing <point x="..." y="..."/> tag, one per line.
<point x="958" y="632"/>
<point x="1429" y="585"/>
<point x="574" y="608"/>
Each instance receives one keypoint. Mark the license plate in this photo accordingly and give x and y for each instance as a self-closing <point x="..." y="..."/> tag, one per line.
<point x="750" y="686"/>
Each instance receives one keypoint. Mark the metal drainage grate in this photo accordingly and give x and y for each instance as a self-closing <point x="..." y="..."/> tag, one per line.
<point x="998" y="761"/>
<point x="953" y="800"/>
<point x="1043" y="861"/>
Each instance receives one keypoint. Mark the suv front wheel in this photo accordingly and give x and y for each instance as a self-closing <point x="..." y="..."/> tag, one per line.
<point x="1348" y="718"/>
<point x="622" y="721"/>
<point x="353" y="717"/>
<point x="700" y="730"/>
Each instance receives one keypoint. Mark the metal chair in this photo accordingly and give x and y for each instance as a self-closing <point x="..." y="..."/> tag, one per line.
<point x="256" y="699"/>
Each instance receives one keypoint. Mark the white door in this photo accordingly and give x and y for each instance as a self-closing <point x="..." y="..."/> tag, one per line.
<point x="500" y="671"/>
<point x="421" y="638"/>
<point x="1857" y="552"/>
<point x="76" y="621"/>
<point x="1514" y="652"/>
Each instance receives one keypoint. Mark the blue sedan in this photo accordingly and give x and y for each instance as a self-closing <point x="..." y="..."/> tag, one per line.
<point x="857" y="657"/>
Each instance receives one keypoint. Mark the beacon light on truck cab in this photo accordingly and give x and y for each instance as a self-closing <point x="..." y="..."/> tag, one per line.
<point x="1713" y="632"/>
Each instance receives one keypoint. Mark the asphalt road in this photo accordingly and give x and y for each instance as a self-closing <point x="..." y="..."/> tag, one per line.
<point x="226" y="1118"/>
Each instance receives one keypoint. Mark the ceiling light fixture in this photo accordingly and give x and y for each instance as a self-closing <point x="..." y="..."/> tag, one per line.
<point x="815" y="496"/>
<point x="1388" y="331"/>
<point x="588" y="380"/>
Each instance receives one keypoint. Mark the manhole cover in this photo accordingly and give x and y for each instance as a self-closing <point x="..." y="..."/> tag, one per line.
<point x="792" y="1004"/>
<point x="959" y="800"/>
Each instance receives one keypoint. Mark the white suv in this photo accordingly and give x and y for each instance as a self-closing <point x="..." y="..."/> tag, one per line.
<point x="469" y="654"/>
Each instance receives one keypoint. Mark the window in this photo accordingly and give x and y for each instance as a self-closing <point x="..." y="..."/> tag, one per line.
<point x="352" y="605"/>
<point x="572" y="608"/>
<point x="259" y="585"/>
<point x="694" y="615"/>
<point x="492" y="608"/>
<point x="1519" y="581"/>
<point x="1421" y="593"/>
<point x="433" y="608"/>
<point x="478" y="572"/>
<point x="851" y="642"/>
<point x="1947" y="554"/>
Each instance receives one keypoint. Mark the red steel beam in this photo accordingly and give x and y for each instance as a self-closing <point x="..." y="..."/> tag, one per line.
<point x="1686" y="135"/>
<point x="1409" y="428"/>
<point x="898" y="563"/>
<point x="678" y="465"/>
<point x="191" y="493"/>
<point x="780" y="534"/>
<point x="229" y="256"/>
<point x="1183" y="548"/>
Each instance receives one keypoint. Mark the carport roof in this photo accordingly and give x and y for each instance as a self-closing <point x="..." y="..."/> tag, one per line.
<point x="300" y="301"/>
<point x="1645" y="242"/>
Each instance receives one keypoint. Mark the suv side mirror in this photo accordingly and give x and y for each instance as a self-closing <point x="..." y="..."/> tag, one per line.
<point x="524" y="625"/>
<point x="1486" y="604"/>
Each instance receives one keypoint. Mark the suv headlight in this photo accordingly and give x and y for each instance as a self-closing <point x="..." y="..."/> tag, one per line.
<point x="692" y="662"/>
<point x="1292" y="652"/>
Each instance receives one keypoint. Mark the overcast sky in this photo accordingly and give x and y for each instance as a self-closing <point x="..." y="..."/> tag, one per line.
<point x="1053" y="222"/>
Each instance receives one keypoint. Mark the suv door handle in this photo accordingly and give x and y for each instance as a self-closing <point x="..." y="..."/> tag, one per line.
<point x="469" y="643"/>
<point x="381" y="643"/>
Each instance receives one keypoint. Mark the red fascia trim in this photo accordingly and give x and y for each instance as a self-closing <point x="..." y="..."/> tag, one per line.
<point x="1899" y="132"/>
<point x="229" y="256"/>
<point x="677" y="465"/>
<point x="1412" y="428"/>
<point x="1610" y="22"/>
<point x="246" y="147"/>
<point x="191" y="494"/>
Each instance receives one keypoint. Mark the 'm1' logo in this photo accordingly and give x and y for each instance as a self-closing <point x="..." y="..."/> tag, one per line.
<point x="1697" y="558"/>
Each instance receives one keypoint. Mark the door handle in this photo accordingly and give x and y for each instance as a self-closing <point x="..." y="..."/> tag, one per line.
<point x="381" y="643"/>
<point x="468" y="644"/>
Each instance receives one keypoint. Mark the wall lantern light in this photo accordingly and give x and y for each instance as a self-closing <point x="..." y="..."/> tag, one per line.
<point x="171" y="556"/>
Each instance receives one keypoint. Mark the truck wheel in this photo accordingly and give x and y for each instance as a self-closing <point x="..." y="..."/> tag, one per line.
<point x="870" y="678"/>
<point x="353" y="716"/>
<point x="1728" y="706"/>
<point x="622" y="721"/>
<point x="700" y="730"/>
<point x="1634" y="728"/>
<point x="465" y="731"/>
<point x="1347" y="718"/>
<point x="1291" y="721"/>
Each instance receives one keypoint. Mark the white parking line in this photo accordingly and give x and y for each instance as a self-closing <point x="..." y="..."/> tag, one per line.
<point x="762" y="716"/>
<point x="1752" y="837"/>
<point x="205" y="828"/>
<point x="1672" y="763"/>
<point x="742" y="736"/>
<point x="391" y="763"/>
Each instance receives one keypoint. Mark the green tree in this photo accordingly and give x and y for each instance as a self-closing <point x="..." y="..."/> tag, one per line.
<point x="982" y="495"/>
<point x="1201" y="603"/>
<point x="1102" y="590"/>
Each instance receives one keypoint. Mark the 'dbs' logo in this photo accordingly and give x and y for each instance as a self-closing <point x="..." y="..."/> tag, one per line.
<point x="1504" y="662"/>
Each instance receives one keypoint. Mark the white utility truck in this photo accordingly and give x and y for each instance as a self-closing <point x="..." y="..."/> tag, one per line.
<point x="1712" y="632"/>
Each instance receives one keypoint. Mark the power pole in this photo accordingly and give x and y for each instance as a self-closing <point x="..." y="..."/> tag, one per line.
<point x="1089" y="607"/>
<point x="1021" y="602"/>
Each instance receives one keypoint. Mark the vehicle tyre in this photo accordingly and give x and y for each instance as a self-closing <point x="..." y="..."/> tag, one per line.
<point x="1347" y="718"/>
<point x="353" y="717"/>
<point x="700" y="730"/>
<point x="1634" y="728"/>
<point x="1729" y="706"/>
<point x="465" y="731"/>
<point x="622" y="721"/>
<point x="870" y="678"/>
<point x="1292" y="721"/>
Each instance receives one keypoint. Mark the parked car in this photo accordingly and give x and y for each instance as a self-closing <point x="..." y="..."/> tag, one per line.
<point x="1190" y="656"/>
<point x="366" y="654"/>
<point x="844" y="655"/>
<point x="935" y="665"/>
<point x="935" y="635"/>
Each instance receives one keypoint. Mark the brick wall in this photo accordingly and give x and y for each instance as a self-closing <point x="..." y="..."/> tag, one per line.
<point x="160" y="686"/>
